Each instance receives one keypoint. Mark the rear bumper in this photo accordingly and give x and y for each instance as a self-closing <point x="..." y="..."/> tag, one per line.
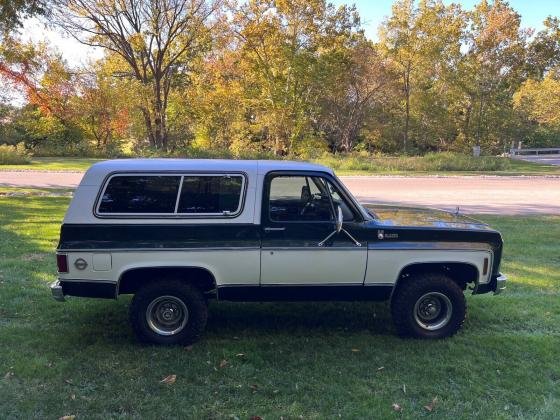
<point x="57" y="292"/>
<point x="93" y="289"/>
<point x="497" y="285"/>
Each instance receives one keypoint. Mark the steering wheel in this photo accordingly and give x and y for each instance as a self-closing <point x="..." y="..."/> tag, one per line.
<point x="310" y="203"/>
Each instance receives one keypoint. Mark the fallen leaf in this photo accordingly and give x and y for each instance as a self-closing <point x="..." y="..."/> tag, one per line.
<point x="404" y="388"/>
<point x="73" y="396"/>
<point x="169" y="380"/>
<point x="256" y="418"/>
<point x="70" y="417"/>
<point x="355" y="350"/>
<point x="188" y="348"/>
<point x="8" y="375"/>
<point x="223" y="363"/>
<point x="397" y="407"/>
<point x="432" y="406"/>
<point x="68" y="381"/>
<point x="240" y="355"/>
<point x="253" y="387"/>
<point x="379" y="369"/>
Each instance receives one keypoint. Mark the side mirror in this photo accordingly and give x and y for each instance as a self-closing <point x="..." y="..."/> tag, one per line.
<point x="339" y="228"/>
<point x="339" y="219"/>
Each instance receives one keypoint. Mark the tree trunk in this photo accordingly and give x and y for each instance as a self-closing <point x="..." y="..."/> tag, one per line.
<point x="149" y="126"/>
<point x="407" y="107"/>
<point x="160" y="133"/>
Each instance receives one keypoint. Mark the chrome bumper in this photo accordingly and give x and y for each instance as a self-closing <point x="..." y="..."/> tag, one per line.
<point x="501" y="281"/>
<point x="56" y="290"/>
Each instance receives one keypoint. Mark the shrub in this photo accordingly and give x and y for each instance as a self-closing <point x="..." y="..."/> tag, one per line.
<point x="431" y="162"/>
<point x="13" y="155"/>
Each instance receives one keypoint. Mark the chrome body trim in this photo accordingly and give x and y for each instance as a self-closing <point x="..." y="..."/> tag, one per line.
<point x="198" y="249"/>
<point x="447" y="246"/>
<point x="501" y="281"/>
<point x="57" y="293"/>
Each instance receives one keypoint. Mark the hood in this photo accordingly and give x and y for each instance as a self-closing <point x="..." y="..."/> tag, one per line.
<point x="420" y="216"/>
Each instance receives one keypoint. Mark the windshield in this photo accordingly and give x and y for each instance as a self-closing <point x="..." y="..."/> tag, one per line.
<point x="366" y="213"/>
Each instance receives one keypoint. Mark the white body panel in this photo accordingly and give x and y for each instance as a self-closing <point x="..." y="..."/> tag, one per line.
<point x="314" y="266"/>
<point x="240" y="266"/>
<point x="384" y="266"/>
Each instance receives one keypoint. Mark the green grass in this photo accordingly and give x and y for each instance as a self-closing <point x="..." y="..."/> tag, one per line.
<point x="80" y="357"/>
<point x="434" y="164"/>
<point x="53" y="164"/>
<point x="357" y="164"/>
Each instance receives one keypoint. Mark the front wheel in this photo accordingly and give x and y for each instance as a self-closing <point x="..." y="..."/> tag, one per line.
<point x="168" y="312"/>
<point x="428" y="306"/>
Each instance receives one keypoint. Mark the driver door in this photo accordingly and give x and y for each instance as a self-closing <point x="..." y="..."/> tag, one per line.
<point x="298" y="213"/>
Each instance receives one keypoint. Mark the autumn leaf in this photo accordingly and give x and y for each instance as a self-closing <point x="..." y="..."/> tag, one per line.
<point x="223" y="363"/>
<point x="169" y="380"/>
<point x="355" y="350"/>
<point x="70" y="417"/>
<point x="8" y="375"/>
<point x="396" y="407"/>
<point x="256" y="418"/>
<point x="379" y="369"/>
<point x="431" y="406"/>
<point x="253" y="387"/>
<point x="240" y="355"/>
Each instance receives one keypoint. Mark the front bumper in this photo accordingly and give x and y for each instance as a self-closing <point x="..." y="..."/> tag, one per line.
<point x="501" y="281"/>
<point x="497" y="285"/>
<point x="57" y="292"/>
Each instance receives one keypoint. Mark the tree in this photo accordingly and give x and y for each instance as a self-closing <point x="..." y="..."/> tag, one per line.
<point x="540" y="100"/>
<point x="13" y="12"/>
<point x="360" y="82"/>
<point x="491" y="72"/>
<point x="544" y="49"/>
<point x="103" y="106"/>
<point x="282" y="45"/>
<point x="423" y="42"/>
<point x="157" y="39"/>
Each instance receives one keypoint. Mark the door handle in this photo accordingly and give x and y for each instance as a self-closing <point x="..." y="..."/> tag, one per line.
<point x="274" y="229"/>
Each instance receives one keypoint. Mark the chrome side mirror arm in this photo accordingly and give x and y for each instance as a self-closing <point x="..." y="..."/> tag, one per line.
<point x="338" y="229"/>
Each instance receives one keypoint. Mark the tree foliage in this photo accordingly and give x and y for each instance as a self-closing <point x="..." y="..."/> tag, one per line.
<point x="283" y="77"/>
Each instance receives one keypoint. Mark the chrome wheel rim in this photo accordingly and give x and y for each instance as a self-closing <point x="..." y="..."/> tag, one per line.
<point x="167" y="315"/>
<point x="433" y="311"/>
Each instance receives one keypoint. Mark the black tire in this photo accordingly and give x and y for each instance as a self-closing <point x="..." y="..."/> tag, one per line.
<point x="175" y="308"/>
<point x="429" y="306"/>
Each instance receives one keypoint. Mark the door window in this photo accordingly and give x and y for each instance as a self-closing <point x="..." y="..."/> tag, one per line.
<point x="299" y="199"/>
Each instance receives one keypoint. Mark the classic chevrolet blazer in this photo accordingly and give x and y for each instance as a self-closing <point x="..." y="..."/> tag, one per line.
<point x="176" y="233"/>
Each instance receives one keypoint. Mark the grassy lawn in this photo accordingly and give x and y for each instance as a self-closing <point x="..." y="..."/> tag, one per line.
<point x="271" y="360"/>
<point x="53" y="164"/>
<point x="445" y="164"/>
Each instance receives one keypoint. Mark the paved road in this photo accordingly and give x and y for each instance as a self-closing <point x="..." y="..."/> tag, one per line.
<point x="543" y="159"/>
<point x="486" y="194"/>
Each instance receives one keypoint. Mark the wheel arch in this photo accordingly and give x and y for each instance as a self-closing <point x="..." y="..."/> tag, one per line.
<point x="131" y="279"/>
<point x="462" y="273"/>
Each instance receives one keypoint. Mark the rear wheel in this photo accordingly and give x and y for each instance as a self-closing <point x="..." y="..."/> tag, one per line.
<point x="168" y="312"/>
<point x="428" y="306"/>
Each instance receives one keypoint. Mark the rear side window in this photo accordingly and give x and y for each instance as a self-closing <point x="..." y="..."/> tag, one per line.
<point x="213" y="194"/>
<point x="172" y="195"/>
<point x="140" y="194"/>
